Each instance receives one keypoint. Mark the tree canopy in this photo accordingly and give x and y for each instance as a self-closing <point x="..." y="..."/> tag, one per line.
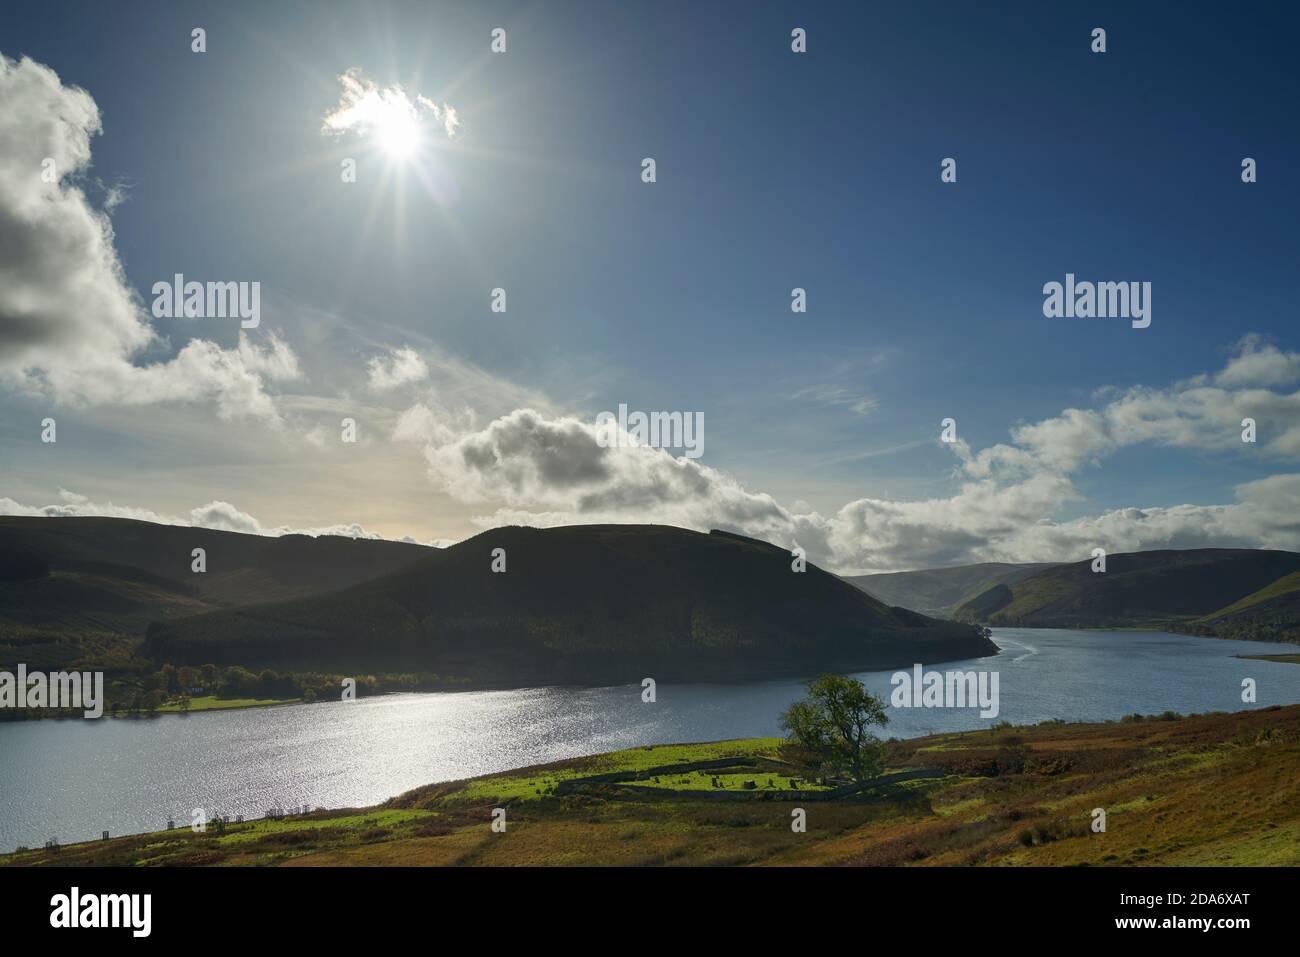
<point x="833" y="723"/>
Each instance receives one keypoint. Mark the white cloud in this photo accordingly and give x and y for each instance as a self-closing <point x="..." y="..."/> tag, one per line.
<point x="224" y="516"/>
<point x="1206" y="417"/>
<point x="365" y="108"/>
<point x="1067" y="442"/>
<point x="215" y="514"/>
<point x="1259" y="363"/>
<point x="400" y="367"/>
<point x="836" y="395"/>
<point x="73" y="504"/>
<point x="1264" y="515"/>
<point x="70" y="325"/>
<point x="276" y="361"/>
<point x="553" y="470"/>
<point x="421" y="425"/>
<point x="1204" y="413"/>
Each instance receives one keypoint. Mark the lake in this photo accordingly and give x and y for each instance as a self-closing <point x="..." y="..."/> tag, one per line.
<point x="73" y="779"/>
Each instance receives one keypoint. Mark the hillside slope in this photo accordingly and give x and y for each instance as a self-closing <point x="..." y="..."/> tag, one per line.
<point x="583" y="604"/>
<point x="938" y="592"/>
<point x="1270" y="614"/>
<point x="1216" y="591"/>
<point x="114" y="575"/>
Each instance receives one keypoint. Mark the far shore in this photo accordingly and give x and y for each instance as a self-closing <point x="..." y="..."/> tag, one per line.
<point x="205" y="703"/>
<point x="1293" y="659"/>
<point x="213" y="703"/>
<point x="202" y="703"/>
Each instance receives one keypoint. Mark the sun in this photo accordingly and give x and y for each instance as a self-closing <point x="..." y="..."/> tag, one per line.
<point x="399" y="125"/>
<point x="397" y="134"/>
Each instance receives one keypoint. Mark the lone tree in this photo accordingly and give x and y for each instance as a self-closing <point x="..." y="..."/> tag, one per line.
<point x="834" y="725"/>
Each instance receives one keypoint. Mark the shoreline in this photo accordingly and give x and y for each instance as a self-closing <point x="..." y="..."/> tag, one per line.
<point x="753" y="676"/>
<point x="1284" y="658"/>
<point x="756" y="677"/>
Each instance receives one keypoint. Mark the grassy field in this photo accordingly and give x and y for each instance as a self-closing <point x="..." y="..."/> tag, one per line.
<point x="1206" y="790"/>
<point x="213" y="703"/>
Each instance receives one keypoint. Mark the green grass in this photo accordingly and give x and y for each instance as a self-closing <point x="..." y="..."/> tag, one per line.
<point x="729" y="781"/>
<point x="213" y="703"/>
<point x="532" y="783"/>
<point x="253" y="831"/>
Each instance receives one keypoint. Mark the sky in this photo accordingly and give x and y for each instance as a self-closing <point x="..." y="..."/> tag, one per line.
<point x="522" y="170"/>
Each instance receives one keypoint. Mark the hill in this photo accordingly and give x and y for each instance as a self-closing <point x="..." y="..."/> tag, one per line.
<point x="73" y="576"/>
<point x="938" y="592"/>
<point x="1270" y="614"/>
<point x="1230" y="593"/>
<point x="582" y="604"/>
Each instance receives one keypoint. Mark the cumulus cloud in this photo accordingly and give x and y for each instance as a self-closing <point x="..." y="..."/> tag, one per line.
<point x="1257" y="519"/>
<point x="1203" y="413"/>
<point x="70" y="325"/>
<point x="1258" y="363"/>
<point x="400" y="367"/>
<point x="555" y="470"/>
<point x="223" y="515"/>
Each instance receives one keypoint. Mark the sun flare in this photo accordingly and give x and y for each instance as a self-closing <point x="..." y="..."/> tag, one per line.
<point x="399" y="124"/>
<point x="398" y="134"/>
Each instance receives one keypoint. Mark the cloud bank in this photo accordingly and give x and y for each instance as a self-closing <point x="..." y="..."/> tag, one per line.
<point x="218" y="515"/>
<point x="541" y="469"/>
<point x="70" y="325"/>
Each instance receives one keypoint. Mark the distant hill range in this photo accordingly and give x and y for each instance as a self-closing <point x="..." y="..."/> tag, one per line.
<point x="116" y="575"/>
<point x="579" y="604"/>
<point x="1223" y="592"/>
<point x="939" y="592"/>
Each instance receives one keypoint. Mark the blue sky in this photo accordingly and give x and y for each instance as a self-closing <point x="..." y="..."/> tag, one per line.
<point x="774" y="170"/>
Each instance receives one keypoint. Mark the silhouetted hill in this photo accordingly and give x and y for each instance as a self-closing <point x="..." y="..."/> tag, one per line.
<point x="940" y="591"/>
<point x="1246" y="593"/>
<point x="582" y="604"/>
<point x="82" y="575"/>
